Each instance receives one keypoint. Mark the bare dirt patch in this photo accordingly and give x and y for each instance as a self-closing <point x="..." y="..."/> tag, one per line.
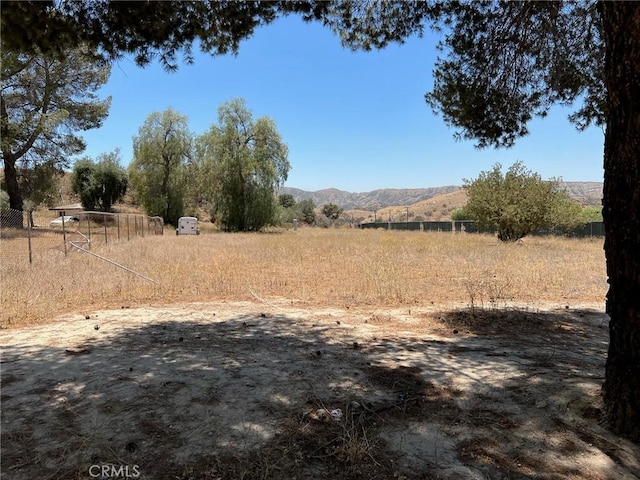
<point x="246" y="390"/>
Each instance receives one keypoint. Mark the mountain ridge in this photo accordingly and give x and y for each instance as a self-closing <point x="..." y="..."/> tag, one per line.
<point x="587" y="193"/>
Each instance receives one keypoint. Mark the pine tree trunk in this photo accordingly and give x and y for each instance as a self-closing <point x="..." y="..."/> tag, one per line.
<point x="15" y="195"/>
<point x="11" y="179"/>
<point x="621" y="212"/>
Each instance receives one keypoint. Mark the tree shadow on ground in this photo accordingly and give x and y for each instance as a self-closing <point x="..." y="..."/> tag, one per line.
<point x="511" y="393"/>
<point x="559" y="358"/>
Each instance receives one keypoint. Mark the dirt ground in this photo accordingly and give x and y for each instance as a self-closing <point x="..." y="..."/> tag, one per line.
<point x="273" y="390"/>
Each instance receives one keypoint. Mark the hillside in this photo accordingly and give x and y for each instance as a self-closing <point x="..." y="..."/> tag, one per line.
<point x="370" y="201"/>
<point x="418" y="204"/>
<point x="587" y="193"/>
<point x="433" y="209"/>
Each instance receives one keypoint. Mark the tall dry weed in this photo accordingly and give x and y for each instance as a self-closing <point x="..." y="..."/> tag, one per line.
<point x="339" y="267"/>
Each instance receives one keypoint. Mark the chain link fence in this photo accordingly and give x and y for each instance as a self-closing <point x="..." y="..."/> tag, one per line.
<point x="591" y="229"/>
<point x="27" y="236"/>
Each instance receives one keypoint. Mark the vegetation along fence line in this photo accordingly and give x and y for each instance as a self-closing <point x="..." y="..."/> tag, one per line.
<point x="591" y="229"/>
<point x="27" y="235"/>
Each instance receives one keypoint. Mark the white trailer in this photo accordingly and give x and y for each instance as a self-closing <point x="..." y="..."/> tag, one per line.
<point x="187" y="226"/>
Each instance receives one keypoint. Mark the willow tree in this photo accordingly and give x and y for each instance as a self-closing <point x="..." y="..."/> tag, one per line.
<point x="161" y="152"/>
<point x="244" y="165"/>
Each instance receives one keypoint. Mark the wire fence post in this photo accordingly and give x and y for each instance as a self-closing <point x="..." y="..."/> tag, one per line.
<point x="127" y="227"/>
<point x="104" y="223"/>
<point x="64" y="234"/>
<point x="118" y="225"/>
<point x="135" y="225"/>
<point x="29" y="237"/>
<point x="89" y="229"/>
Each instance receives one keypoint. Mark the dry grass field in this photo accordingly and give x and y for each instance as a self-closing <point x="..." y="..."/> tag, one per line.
<point x="337" y="267"/>
<point x="317" y="354"/>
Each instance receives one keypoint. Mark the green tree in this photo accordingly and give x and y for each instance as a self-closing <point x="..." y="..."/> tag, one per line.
<point x="305" y="210"/>
<point x="39" y="185"/>
<point x="460" y="214"/>
<point x="332" y="211"/>
<point x="286" y="210"/>
<point x="286" y="200"/>
<point x="44" y="102"/>
<point x="161" y="152"/>
<point x="99" y="184"/>
<point x="518" y="203"/>
<point x="6" y="216"/>
<point x="245" y="165"/>
<point x="4" y="200"/>
<point x="592" y="214"/>
<point x="81" y="181"/>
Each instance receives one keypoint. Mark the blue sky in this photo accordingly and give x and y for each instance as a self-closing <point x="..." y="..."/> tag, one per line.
<point x="353" y="121"/>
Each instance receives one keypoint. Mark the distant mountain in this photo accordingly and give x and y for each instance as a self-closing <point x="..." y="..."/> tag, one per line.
<point x="374" y="200"/>
<point x="587" y="193"/>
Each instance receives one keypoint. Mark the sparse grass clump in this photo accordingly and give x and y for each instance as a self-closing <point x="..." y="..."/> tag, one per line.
<point x="339" y="267"/>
